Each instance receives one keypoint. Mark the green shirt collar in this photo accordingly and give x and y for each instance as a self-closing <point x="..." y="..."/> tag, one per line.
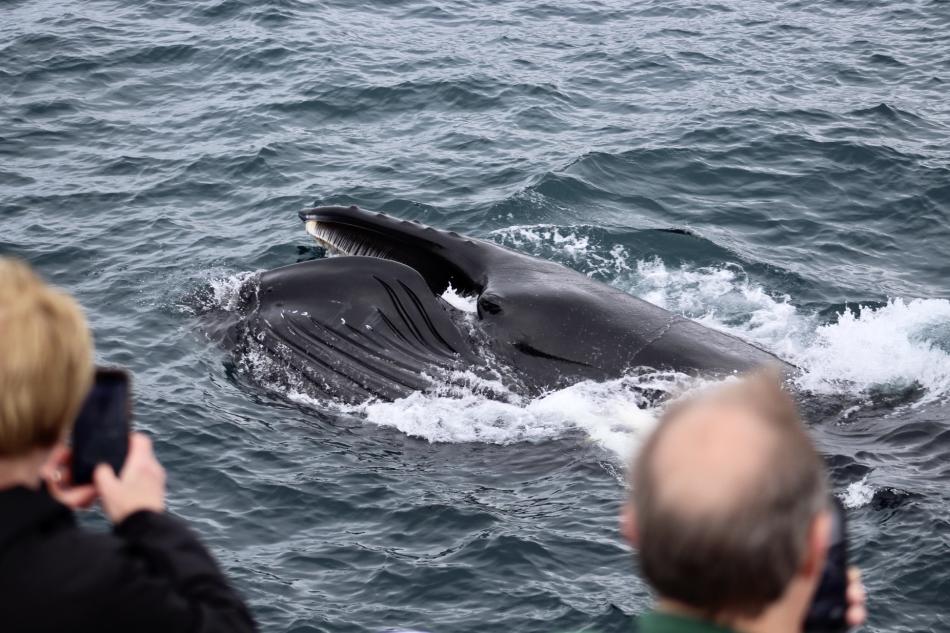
<point x="656" y="622"/>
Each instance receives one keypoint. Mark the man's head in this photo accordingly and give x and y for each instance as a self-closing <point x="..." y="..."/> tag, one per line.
<point x="45" y="361"/>
<point x="728" y="500"/>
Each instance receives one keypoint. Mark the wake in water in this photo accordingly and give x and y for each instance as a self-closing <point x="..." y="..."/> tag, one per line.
<point x="614" y="414"/>
<point x="900" y="346"/>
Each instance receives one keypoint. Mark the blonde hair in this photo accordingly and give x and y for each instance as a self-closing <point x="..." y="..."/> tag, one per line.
<point x="46" y="364"/>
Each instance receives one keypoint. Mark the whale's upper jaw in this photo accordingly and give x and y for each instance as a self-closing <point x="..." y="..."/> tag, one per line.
<point x="443" y="258"/>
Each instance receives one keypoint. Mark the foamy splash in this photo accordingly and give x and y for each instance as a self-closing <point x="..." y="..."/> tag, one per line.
<point x="858" y="494"/>
<point x="901" y="344"/>
<point x="583" y="247"/>
<point x="614" y="414"/>
<point x="226" y="290"/>
<point x="459" y="301"/>
<point x="896" y="346"/>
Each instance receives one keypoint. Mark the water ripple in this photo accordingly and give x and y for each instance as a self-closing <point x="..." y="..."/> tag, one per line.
<point x="153" y="156"/>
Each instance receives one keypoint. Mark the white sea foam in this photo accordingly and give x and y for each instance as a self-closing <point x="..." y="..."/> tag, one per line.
<point x="900" y="344"/>
<point x="226" y="290"/>
<point x="886" y="347"/>
<point x="614" y="414"/>
<point x="459" y="301"/>
<point x="578" y="247"/>
<point x="537" y="236"/>
<point x="857" y="494"/>
<point x="723" y="298"/>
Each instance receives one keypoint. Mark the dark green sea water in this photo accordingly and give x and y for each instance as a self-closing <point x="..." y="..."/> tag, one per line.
<point x="154" y="154"/>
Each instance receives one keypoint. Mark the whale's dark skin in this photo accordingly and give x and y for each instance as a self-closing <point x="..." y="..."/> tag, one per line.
<point x="376" y="326"/>
<point x="355" y="328"/>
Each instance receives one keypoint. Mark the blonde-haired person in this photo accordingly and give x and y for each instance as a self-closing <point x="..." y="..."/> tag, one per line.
<point x="150" y="573"/>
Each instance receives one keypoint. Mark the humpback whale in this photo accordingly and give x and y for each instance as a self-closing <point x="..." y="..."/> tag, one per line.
<point x="371" y="322"/>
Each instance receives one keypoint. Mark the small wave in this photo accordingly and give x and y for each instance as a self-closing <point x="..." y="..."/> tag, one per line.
<point x="584" y="248"/>
<point x="569" y="242"/>
<point x="888" y="347"/>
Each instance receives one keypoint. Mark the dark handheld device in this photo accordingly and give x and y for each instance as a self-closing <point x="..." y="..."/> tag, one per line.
<point x="101" y="432"/>
<point x="830" y="604"/>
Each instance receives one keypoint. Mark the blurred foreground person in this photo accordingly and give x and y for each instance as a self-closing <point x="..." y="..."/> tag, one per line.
<point x="151" y="573"/>
<point x="730" y="514"/>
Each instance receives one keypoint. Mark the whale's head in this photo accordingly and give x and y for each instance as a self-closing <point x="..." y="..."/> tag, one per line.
<point x="442" y="258"/>
<point x="551" y="322"/>
<point x="373" y="324"/>
<point x="513" y="291"/>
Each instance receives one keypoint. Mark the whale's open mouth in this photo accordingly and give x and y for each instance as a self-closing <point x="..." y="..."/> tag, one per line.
<point x="441" y="258"/>
<point x="342" y="242"/>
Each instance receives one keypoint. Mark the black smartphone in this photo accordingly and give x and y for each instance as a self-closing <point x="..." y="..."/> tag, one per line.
<point x="101" y="431"/>
<point x="830" y="604"/>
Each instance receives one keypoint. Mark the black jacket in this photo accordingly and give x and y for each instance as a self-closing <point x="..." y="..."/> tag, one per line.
<point x="150" y="574"/>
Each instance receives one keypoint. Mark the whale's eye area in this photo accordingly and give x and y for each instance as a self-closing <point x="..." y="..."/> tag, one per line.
<point x="489" y="303"/>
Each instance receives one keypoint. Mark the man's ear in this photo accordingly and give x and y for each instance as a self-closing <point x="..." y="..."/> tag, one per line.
<point x="819" y="538"/>
<point x="628" y="525"/>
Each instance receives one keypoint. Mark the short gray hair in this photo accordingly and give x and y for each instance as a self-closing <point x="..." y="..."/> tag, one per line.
<point x="740" y="560"/>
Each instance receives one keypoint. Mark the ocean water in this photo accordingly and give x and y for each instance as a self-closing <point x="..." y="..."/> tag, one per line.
<point x="153" y="156"/>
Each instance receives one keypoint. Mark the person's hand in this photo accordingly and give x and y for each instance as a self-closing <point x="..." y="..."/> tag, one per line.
<point x="57" y="473"/>
<point x="140" y="486"/>
<point x="857" y="599"/>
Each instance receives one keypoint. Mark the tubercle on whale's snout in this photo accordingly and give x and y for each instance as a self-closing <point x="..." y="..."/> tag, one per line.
<point x="316" y="213"/>
<point x="355" y="218"/>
